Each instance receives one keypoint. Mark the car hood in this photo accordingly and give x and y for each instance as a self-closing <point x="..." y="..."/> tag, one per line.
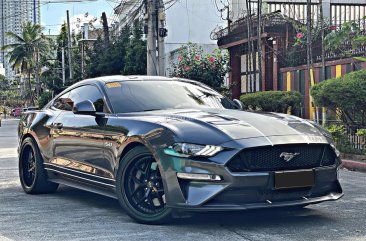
<point x="215" y="126"/>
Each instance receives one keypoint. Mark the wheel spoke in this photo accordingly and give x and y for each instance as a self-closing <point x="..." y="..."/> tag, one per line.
<point x="31" y="169"/>
<point x="136" y="180"/>
<point x="147" y="193"/>
<point x="136" y="191"/>
<point x="144" y="187"/>
<point x="148" y="168"/>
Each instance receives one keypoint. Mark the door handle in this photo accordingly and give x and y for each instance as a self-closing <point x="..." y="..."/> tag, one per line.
<point x="58" y="125"/>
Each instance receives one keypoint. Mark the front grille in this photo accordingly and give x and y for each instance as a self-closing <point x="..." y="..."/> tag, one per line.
<point x="268" y="158"/>
<point x="246" y="196"/>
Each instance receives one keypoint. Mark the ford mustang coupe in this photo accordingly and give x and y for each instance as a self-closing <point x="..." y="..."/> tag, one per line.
<point x="165" y="145"/>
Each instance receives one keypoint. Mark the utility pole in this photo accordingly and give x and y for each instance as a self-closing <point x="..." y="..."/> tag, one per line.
<point x="82" y="59"/>
<point x="324" y="111"/>
<point x="249" y="52"/>
<point x="105" y="29"/>
<point x="152" y="67"/>
<point x="162" y="33"/>
<point x="2" y="33"/>
<point x="308" y="36"/>
<point x="322" y="36"/>
<point x="310" y="55"/>
<point x="259" y="42"/>
<point x="63" y="65"/>
<point x="69" y="44"/>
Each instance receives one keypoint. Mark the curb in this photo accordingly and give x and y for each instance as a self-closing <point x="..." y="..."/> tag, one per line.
<point x="354" y="165"/>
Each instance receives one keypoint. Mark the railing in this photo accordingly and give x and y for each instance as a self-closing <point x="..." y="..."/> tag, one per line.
<point x="344" y="50"/>
<point x="352" y="143"/>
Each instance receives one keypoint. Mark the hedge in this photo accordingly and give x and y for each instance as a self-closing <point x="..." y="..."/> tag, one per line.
<point x="345" y="95"/>
<point x="273" y="101"/>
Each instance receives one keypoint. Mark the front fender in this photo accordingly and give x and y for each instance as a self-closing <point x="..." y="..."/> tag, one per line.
<point x="36" y="124"/>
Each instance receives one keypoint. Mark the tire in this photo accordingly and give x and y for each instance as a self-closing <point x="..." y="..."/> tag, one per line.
<point x="140" y="189"/>
<point x="33" y="177"/>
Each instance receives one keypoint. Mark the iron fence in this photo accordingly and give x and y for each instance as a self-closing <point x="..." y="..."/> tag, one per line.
<point x="352" y="142"/>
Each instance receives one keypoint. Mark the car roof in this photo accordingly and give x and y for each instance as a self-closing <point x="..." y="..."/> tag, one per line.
<point x="114" y="78"/>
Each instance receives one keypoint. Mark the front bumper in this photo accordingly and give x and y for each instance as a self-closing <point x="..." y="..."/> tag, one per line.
<point x="240" y="191"/>
<point x="260" y="205"/>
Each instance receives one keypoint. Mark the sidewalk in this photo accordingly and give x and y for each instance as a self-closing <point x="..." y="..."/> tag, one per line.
<point x="354" y="165"/>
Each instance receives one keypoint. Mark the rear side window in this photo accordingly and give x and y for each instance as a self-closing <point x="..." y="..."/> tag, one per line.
<point x="88" y="92"/>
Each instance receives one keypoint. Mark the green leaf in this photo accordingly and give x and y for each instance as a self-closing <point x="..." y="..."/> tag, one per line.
<point x="360" y="58"/>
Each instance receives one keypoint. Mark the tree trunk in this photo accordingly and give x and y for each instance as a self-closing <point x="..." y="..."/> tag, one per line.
<point x="30" y="88"/>
<point x="38" y="83"/>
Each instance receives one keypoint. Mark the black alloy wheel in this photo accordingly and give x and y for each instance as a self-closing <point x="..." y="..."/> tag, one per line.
<point x="140" y="188"/>
<point x="33" y="177"/>
<point x="28" y="163"/>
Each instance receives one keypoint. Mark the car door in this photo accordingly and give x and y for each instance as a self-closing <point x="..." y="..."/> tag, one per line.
<point x="79" y="139"/>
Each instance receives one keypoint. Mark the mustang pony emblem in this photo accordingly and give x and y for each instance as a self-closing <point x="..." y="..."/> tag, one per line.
<point x="289" y="156"/>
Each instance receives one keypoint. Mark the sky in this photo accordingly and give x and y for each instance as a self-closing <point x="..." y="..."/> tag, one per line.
<point x="187" y="20"/>
<point x="54" y="14"/>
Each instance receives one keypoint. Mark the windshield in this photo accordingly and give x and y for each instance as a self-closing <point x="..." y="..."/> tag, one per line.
<point x="136" y="96"/>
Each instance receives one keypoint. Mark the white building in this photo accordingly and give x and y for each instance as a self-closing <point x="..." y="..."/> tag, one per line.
<point x="186" y="21"/>
<point x="2" y="70"/>
<point x="12" y="14"/>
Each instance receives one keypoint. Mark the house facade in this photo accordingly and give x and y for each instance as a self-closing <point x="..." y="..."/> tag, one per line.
<point x="280" y="21"/>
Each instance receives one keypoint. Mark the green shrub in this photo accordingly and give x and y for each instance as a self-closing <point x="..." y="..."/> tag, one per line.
<point x="361" y="132"/>
<point x="43" y="99"/>
<point x="273" y="101"/>
<point x="342" y="140"/>
<point x="345" y="95"/>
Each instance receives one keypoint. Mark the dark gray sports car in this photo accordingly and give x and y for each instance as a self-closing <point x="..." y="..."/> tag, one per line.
<point x="161" y="145"/>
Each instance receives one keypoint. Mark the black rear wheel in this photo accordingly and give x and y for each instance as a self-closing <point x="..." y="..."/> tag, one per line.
<point x="140" y="188"/>
<point x="33" y="177"/>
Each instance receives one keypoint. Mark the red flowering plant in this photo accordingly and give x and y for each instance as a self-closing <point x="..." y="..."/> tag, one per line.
<point x="296" y="53"/>
<point x="208" y="68"/>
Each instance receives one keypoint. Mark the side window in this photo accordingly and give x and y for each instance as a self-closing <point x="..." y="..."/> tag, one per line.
<point x="63" y="102"/>
<point x="88" y="92"/>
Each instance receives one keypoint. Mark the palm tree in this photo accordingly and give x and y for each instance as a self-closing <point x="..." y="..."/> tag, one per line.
<point x="25" y="53"/>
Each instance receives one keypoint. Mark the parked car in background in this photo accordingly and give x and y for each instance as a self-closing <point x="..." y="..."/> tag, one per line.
<point x="29" y="108"/>
<point x="159" y="145"/>
<point x="16" y="112"/>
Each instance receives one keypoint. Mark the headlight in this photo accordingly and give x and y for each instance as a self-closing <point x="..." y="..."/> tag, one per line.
<point x="187" y="149"/>
<point x="322" y="130"/>
<point x="337" y="152"/>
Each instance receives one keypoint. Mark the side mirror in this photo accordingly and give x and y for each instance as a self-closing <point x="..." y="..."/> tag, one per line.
<point x="85" y="107"/>
<point x="238" y="104"/>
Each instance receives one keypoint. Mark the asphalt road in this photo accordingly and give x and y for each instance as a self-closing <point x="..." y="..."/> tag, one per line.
<point x="72" y="214"/>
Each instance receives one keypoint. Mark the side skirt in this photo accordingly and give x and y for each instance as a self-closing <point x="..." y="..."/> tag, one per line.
<point x="75" y="181"/>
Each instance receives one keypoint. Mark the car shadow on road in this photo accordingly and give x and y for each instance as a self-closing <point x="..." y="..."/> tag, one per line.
<point x="92" y="199"/>
<point x="248" y="218"/>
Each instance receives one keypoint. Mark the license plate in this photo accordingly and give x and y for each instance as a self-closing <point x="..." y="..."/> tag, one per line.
<point x="293" y="179"/>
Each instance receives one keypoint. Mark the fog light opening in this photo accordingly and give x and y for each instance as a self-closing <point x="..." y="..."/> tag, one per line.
<point x="199" y="176"/>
